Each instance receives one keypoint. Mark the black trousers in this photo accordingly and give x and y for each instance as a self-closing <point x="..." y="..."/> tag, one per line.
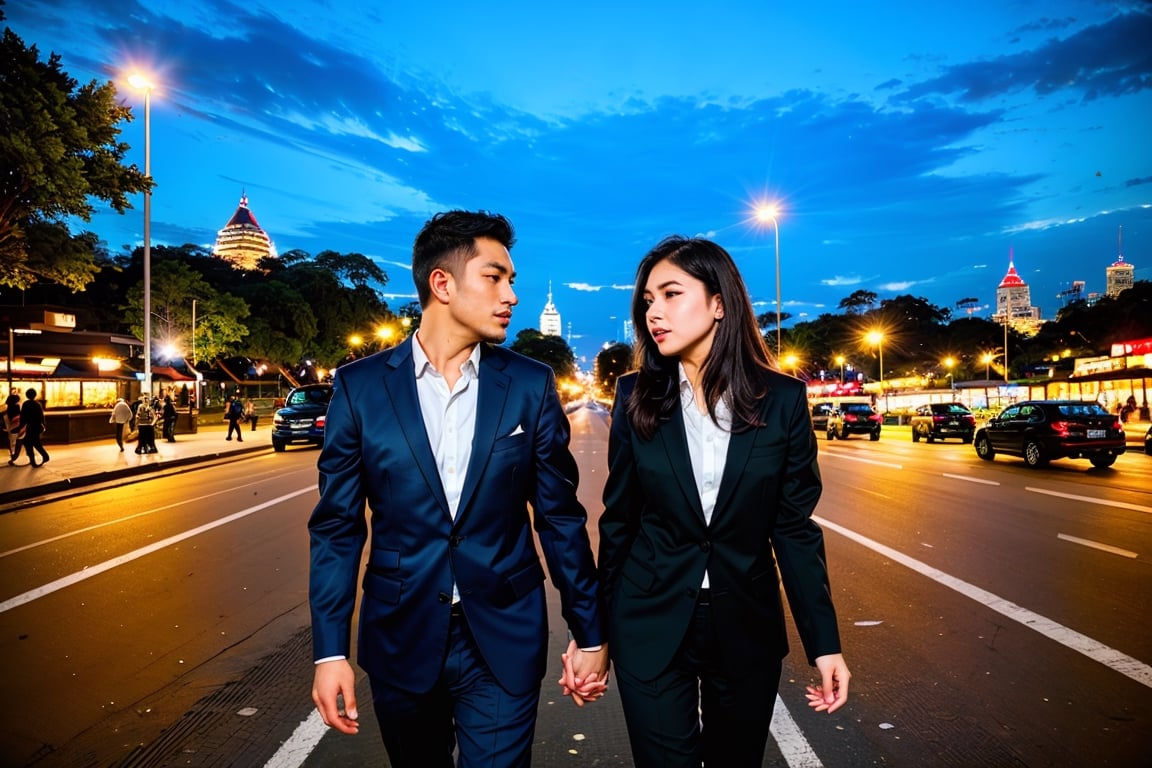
<point x="695" y="712"/>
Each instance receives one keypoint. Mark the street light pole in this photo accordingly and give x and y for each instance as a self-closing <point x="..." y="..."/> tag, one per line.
<point x="877" y="338"/>
<point x="765" y="213"/>
<point x="139" y="82"/>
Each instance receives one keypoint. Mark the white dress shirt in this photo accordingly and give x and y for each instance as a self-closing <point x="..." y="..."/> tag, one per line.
<point x="707" y="447"/>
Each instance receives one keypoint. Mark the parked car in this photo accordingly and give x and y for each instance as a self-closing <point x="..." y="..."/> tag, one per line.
<point x="854" y="419"/>
<point x="301" y="420"/>
<point x="1042" y="430"/>
<point x="820" y="413"/>
<point x="940" y="421"/>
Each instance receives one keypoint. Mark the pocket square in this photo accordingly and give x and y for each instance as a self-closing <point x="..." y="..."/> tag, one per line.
<point x="518" y="431"/>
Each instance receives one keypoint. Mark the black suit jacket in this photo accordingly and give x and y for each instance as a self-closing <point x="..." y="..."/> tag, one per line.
<point x="655" y="545"/>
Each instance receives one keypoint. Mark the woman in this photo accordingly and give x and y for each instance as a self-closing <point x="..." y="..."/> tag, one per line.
<point x="712" y="483"/>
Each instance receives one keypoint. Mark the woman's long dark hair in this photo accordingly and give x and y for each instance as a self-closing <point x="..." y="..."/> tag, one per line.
<point x="733" y="368"/>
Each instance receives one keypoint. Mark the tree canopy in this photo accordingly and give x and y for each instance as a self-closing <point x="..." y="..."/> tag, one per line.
<point x="59" y="151"/>
<point x="553" y="351"/>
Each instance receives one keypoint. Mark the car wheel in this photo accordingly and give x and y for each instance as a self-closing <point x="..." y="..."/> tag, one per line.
<point x="830" y="433"/>
<point x="1100" y="462"/>
<point x="278" y="446"/>
<point x="842" y="434"/>
<point x="874" y="436"/>
<point x="915" y="435"/>
<point x="984" y="448"/>
<point x="930" y="438"/>
<point x="1034" y="454"/>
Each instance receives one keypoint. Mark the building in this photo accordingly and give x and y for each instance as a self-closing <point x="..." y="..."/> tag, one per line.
<point x="242" y="242"/>
<point x="1121" y="275"/>
<point x="1014" y="303"/>
<point x="550" y="324"/>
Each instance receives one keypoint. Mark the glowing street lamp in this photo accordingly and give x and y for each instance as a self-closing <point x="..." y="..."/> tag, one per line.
<point x="791" y="360"/>
<point x="986" y="358"/>
<point x="139" y="82"/>
<point x="876" y="339"/>
<point x="948" y="363"/>
<point x="840" y="362"/>
<point x="766" y="212"/>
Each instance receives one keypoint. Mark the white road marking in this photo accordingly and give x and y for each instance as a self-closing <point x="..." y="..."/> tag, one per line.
<point x="153" y="511"/>
<point x="1092" y="500"/>
<point x="797" y="752"/>
<point x="300" y="744"/>
<point x="107" y="565"/>
<point x="968" y="479"/>
<point x="862" y="460"/>
<point x="1097" y="651"/>
<point x="1098" y="545"/>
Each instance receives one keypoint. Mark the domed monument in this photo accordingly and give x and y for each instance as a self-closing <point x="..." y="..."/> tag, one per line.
<point x="242" y="242"/>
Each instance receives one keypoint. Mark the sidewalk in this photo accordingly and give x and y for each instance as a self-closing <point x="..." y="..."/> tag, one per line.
<point x="97" y="461"/>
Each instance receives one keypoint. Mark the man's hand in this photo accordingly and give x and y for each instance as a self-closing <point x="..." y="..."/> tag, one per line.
<point x="585" y="676"/>
<point x="336" y="679"/>
<point x="833" y="693"/>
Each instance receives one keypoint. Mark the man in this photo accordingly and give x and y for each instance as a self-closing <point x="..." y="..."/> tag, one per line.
<point x="121" y="415"/>
<point x="12" y="424"/>
<point x="234" y="414"/>
<point x="32" y="423"/>
<point x="448" y="439"/>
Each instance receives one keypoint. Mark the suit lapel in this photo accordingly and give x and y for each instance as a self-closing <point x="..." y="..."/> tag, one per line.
<point x="676" y="450"/>
<point x="739" y="449"/>
<point x="493" y="394"/>
<point x="400" y="381"/>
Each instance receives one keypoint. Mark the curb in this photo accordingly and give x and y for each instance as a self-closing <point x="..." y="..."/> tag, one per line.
<point x="82" y="481"/>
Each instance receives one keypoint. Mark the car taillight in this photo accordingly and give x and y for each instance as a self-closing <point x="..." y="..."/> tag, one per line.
<point x="319" y="422"/>
<point x="1118" y="425"/>
<point x="874" y="417"/>
<point x="939" y="418"/>
<point x="1060" y="428"/>
<point x="849" y="417"/>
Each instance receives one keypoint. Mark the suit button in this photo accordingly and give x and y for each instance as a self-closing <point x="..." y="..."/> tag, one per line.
<point x="455" y="540"/>
<point x="443" y="597"/>
<point x="706" y="546"/>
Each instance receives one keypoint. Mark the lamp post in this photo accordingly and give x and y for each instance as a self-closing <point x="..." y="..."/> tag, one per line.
<point x="142" y="83"/>
<point x="987" y="360"/>
<point x="791" y="360"/>
<point x="876" y="338"/>
<point x="764" y="214"/>
<point x="840" y="362"/>
<point x="948" y="363"/>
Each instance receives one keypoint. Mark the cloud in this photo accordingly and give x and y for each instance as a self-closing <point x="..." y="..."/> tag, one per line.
<point x="900" y="285"/>
<point x="588" y="287"/>
<point x="1107" y="59"/>
<point x="1138" y="182"/>
<point x="842" y="280"/>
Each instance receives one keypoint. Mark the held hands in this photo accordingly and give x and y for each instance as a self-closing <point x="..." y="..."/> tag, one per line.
<point x="585" y="676"/>
<point x="833" y="693"/>
<point x="335" y="680"/>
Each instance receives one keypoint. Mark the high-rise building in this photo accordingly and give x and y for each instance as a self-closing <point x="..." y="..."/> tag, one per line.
<point x="550" y="324"/>
<point x="242" y="242"/>
<point x="1014" y="302"/>
<point x="1121" y="275"/>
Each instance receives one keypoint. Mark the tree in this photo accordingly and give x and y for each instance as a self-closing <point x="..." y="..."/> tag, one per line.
<point x="58" y="152"/>
<point x="855" y="303"/>
<point x="553" y="351"/>
<point x="612" y="362"/>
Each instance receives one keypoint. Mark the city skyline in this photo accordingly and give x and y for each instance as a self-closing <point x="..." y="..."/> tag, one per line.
<point x="910" y="151"/>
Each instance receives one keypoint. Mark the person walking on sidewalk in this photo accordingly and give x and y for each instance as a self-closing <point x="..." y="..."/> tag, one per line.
<point x="145" y="427"/>
<point x="250" y="415"/>
<point x="12" y="425"/>
<point x="234" y="415"/>
<point x="712" y="482"/>
<point x="121" y="415"/>
<point x="32" y="425"/>
<point x="170" y="416"/>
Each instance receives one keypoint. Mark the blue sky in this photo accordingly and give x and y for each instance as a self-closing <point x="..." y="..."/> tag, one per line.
<point x="910" y="149"/>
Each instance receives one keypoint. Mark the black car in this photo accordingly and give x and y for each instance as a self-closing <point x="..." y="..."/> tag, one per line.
<point x="301" y="420"/>
<point x="1042" y="430"/>
<point x="940" y="421"/>
<point x="854" y="419"/>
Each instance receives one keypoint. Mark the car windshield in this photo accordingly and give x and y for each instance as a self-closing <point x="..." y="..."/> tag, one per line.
<point x="857" y="408"/>
<point x="317" y="396"/>
<point x="949" y="408"/>
<point x="1082" y="409"/>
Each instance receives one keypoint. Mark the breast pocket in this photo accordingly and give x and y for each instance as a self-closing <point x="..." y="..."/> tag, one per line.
<point x="510" y="442"/>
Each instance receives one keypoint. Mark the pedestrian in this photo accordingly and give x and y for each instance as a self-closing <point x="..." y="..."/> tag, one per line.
<point x="453" y="627"/>
<point x="12" y="424"/>
<point x="712" y="482"/>
<point x="121" y="415"/>
<point x="146" y="427"/>
<point x="32" y="426"/>
<point x="234" y="413"/>
<point x="169" y="416"/>
<point x="250" y="414"/>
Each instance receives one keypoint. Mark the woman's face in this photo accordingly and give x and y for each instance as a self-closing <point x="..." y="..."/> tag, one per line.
<point x="681" y="314"/>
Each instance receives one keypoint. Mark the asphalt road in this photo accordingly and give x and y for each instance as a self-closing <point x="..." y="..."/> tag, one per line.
<point x="992" y="615"/>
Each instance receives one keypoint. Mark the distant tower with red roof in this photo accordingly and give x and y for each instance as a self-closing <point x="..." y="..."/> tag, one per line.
<point x="242" y="242"/>
<point x="1121" y="275"/>
<point x="1014" y="302"/>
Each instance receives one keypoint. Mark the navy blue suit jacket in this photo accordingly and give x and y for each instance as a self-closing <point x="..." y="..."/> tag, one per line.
<point x="655" y="544"/>
<point x="376" y="453"/>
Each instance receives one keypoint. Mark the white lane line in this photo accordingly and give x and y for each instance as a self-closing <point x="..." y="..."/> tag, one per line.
<point x="862" y="460"/>
<point x="1097" y="651"/>
<point x="87" y="573"/>
<point x="968" y="479"/>
<point x="181" y="503"/>
<point x="797" y="752"/>
<point x="300" y="744"/>
<point x="1098" y="545"/>
<point x="1092" y="500"/>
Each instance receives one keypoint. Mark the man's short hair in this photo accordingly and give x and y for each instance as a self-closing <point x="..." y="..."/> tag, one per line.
<point x="448" y="240"/>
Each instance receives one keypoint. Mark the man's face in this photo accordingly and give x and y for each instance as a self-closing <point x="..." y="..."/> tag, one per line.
<point x="481" y="297"/>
